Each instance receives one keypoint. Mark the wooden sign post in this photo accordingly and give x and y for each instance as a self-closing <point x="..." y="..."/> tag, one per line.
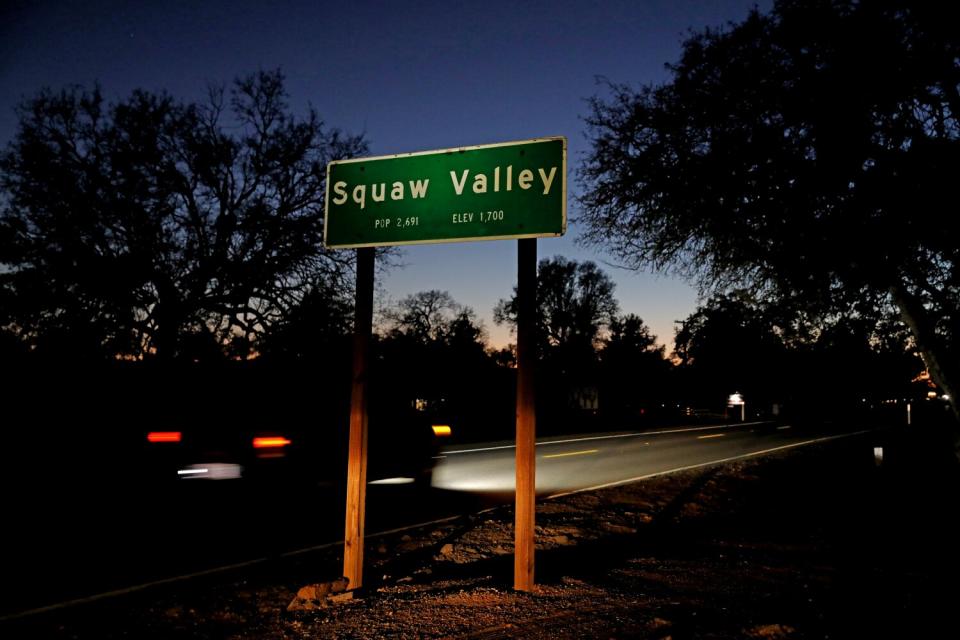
<point x="526" y="415"/>
<point x="357" y="448"/>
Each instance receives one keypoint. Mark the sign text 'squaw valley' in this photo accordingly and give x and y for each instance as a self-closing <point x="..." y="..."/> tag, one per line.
<point x="488" y="192"/>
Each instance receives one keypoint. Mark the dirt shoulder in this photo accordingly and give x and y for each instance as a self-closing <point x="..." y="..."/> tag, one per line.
<point x="807" y="543"/>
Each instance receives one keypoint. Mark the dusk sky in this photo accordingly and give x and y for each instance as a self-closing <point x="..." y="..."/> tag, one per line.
<point x="411" y="76"/>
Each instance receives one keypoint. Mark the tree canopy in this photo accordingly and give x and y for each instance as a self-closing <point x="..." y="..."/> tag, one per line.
<point x="634" y="372"/>
<point x="844" y="366"/>
<point x="809" y="152"/>
<point x="575" y="303"/>
<point x="595" y="363"/>
<point x="433" y="316"/>
<point x="147" y="225"/>
<point x="731" y="344"/>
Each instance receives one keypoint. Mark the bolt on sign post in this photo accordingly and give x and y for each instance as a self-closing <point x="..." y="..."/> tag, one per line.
<point x="511" y="190"/>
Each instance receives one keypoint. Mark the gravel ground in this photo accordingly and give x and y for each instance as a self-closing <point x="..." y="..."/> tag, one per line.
<point x="820" y="542"/>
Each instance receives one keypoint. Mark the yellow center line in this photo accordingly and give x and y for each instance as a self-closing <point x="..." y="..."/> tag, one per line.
<point x="713" y="435"/>
<point x="572" y="453"/>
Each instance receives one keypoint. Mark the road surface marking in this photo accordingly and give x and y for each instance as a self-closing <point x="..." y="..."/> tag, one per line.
<point x="572" y="453"/>
<point x="617" y="483"/>
<point x="712" y="435"/>
<point x="632" y="434"/>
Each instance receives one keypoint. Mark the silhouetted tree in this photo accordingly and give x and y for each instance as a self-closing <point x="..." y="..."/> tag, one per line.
<point x="575" y="305"/>
<point x="811" y="152"/>
<point x="505" y="357"/>
<point x="321" y="323"/>
<point x="150" y="225"/>
<point x="840" y="367"/>
<point x="635" y="374"/>
<point x="434" y="349"/>
<point x="851" y="361"/>
<point x="430" y="316"/>
<point x="438" y="341"/>
<point x="730" y="344"/>
<point x="630" y="335"/>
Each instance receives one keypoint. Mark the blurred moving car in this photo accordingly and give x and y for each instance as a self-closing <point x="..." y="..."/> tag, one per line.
<point x="402" y="448"/>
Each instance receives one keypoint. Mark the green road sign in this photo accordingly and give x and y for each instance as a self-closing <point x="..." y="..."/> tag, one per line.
<point x="487" y="192"/>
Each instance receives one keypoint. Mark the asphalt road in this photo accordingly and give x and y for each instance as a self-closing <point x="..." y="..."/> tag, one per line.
<point x="590" y="461"/>
<point x="78" y="540"/>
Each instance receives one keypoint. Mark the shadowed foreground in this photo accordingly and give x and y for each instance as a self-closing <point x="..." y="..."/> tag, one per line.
<point x="815" y="542"/>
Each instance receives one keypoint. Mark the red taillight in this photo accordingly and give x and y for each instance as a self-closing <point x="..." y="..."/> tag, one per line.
<point x="164" y="436"/>
<point x="271" y="442"/>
